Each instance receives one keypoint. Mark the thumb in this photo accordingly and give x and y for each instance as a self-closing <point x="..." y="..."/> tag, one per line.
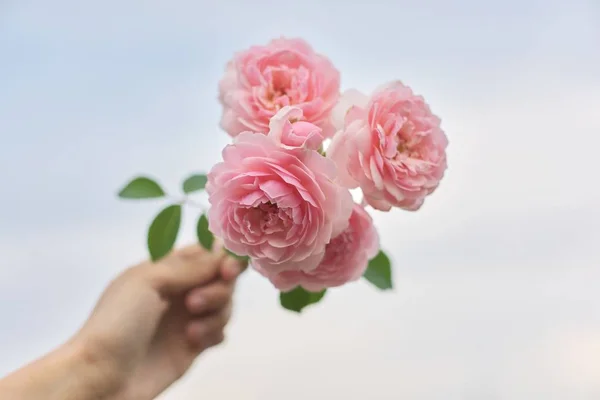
<point x="185" y="269"/>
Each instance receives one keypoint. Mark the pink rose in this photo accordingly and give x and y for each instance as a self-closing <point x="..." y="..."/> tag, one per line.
<point x="263" y="79"/>
<point x="346" y="257"/>
<point x="279" y="206"/>
<point x="391" y="146"/>
<point x="294" y="134"/>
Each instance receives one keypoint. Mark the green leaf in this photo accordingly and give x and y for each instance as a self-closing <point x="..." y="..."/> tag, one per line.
<point x="299" y="298"/>
<point x="194" y="183"/>
<point x="141" y="188"/>
<point x="239" y="258"/>
<point x="316" y="297"/>
<point x="205" y="237"/>
<point x="163" y="231"/>
<point x="379" y="271"/>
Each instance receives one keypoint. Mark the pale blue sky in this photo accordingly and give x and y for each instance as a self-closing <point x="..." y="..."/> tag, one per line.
<point x="497" y="276"/>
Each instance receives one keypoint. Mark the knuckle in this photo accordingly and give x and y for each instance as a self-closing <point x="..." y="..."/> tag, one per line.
<point x="219" y="293"/>
<point x="225" y="316"/>
<point x="219" y="338"/>
<point x="191" y="253"/>
<point x="214" y="340"/>
<point x="211" y="293"/>
<point x="133" y="272"/>
<point x="224" y="293"/>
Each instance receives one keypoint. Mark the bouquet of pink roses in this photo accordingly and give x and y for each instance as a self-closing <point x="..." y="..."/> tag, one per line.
<point x="280" y="198"/>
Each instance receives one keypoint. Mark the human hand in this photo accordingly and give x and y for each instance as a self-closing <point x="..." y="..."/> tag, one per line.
<point x="155" y="319"/>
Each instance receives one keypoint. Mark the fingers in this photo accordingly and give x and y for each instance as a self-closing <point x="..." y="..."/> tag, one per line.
<point x="209" y="298"/>
<point x="230" y="268"/>
<point x="208" y="331"/>
<point x="184" y="269"/>
<point x="190" y="267"/>
<point x="214" y="295"/>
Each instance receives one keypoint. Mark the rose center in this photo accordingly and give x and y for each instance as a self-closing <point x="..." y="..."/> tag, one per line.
<point x="280" y="81"/>
<point x="401" y="148"/>
<point x="407" y="145"/>
<point x="269" y="218"/>
<point x="273" y="94"/>
<point x="279" y="91"/>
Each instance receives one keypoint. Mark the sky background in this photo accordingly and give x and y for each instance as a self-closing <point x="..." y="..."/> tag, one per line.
<point x="497" y="277"/>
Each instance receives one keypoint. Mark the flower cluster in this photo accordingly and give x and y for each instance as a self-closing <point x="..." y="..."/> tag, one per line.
<point x="281" y="198"/>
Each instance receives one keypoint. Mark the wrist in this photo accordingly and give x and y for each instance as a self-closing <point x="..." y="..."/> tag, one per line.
<point x="94" y="376"/>
<point x="72" y="372"/>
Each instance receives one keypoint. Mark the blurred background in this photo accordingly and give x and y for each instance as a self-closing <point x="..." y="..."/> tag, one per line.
<point x="497" y="277"/>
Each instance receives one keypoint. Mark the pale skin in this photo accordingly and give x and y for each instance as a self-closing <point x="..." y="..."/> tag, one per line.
<point x="145" y="332"/>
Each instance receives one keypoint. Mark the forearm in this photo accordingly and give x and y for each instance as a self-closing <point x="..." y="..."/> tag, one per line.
<point x="68" y="373"/>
